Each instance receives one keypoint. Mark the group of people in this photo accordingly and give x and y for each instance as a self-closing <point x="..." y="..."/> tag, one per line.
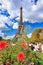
<point x="36" y="46"/>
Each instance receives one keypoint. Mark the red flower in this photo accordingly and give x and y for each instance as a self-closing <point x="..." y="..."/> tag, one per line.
<point x="2" y="44"/>
<point x="20" y="56"/>
<point x="23" y="45"/>
<point x="8" y="64"/>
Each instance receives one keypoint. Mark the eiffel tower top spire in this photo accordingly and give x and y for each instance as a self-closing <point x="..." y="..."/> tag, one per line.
<point x="21" y="19"/>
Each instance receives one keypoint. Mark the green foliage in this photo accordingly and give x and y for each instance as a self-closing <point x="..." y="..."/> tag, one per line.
<point x="37" y="35"/>
<point x="36" y="56"/>
<point x="11" y="51"/>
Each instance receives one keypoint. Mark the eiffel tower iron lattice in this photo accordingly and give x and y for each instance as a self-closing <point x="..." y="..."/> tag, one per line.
<point x="20" y="27"/>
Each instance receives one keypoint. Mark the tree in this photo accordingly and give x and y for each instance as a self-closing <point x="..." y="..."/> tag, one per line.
<point x="0" y="38"/>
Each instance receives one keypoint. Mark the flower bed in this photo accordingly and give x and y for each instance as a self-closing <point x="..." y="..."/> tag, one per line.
<point x="18" y="54"/>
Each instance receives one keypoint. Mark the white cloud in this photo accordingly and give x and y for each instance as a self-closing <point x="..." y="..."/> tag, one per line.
<point x="1" y="34"/>
<point x="33" y="13"/>
<point x="30" y="11"/>
<point x="41" y="15"/>
<point x="6" y="4"/>
<point x="15" y="25"/>
<point x="41" y="2"/>
<point x="29" y="35"/>
<point x="34" y="7"/>
<point x="3" y="20"/>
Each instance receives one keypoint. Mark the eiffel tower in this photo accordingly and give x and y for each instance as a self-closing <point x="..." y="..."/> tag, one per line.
<point x="21" y="31"/>
<point x="20" y="27"/>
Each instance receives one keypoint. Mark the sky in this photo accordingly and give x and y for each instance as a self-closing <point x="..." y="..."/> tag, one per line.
<point x="10" y="16"/>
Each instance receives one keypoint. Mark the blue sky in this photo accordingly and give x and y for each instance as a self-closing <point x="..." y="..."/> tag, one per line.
<point x="10" y="15"/>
